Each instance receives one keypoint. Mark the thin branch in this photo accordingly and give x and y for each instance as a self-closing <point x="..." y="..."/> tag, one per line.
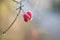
<point x="16" y="1"/>
<point x="12" y="23"/>
<point x="14" y="19"/>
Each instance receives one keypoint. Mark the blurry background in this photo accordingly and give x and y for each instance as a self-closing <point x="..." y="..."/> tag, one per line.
<point x="46" y="20"/>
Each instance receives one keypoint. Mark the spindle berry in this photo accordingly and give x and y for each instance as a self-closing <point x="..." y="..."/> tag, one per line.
<point x="27" y="16"/>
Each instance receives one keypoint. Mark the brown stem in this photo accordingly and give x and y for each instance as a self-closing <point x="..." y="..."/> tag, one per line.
<point x="14" y="19"/>
<point x="12" y="23"/>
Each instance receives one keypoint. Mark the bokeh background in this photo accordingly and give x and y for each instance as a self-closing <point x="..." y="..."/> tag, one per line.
<point x="45" y="23"/>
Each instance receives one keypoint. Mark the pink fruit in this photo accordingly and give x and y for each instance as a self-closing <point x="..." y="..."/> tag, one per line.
<point x="27" y="16"/>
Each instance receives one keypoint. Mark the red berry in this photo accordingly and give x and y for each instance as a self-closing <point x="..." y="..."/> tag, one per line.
<point x="27" y="16"/>
<point x="30" y="14"/>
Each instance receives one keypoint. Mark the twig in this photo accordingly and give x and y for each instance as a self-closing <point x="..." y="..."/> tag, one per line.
<point x="16" y="1"/>
<point x="15" y="18"/>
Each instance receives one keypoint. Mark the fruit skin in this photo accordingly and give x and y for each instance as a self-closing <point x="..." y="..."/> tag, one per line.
<point x="27" y="16"/>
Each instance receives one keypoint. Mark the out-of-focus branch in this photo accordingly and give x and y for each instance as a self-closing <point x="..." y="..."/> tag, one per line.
<point x="16" y="1"/>
<point x="20" y="8"/>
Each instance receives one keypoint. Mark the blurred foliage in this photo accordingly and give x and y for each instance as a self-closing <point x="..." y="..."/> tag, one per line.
<point x="56" y="6"/>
